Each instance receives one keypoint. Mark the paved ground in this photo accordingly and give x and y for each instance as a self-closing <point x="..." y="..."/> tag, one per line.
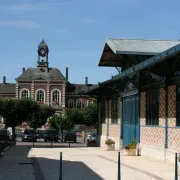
<point x="79" y="163"/>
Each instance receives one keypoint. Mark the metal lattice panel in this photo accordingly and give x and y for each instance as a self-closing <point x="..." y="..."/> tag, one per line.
<point x="162" y="107"/>
<point x="171" y="106"/>
<point x="143" y="108"/>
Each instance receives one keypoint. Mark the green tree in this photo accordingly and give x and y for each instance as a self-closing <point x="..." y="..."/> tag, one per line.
<point x="75" y="115"/>
<point x="61" y="123"/>
<point x="90" y="114"/>
<point x="15" y="111"/>
<point x="40" y="118"/>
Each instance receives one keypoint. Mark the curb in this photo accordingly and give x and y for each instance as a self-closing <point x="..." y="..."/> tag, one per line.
<point x="6" y="148"/>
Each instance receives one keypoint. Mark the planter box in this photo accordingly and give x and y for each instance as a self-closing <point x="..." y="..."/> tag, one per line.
<point x="130" y="152"/>
<point x="110" y="147"/>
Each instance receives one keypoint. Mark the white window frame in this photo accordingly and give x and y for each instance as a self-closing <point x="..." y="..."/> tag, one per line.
<point x="69" y="103"/>
<point x="44" y="94"/>
<point x="24" y="89"/>
<point x="59" y="95"/>
<point x="77" y="102"/>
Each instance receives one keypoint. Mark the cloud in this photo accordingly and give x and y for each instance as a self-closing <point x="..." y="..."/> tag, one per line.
<point x="28" y="7"/>
<point x="27" y="24"/>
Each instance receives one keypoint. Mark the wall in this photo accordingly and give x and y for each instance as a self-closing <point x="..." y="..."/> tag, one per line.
<point x="152" y="139"/>
<point x="109" y="130"/>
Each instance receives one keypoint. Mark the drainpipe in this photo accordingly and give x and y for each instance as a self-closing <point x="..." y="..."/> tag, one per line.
<point x="166" y="116"/>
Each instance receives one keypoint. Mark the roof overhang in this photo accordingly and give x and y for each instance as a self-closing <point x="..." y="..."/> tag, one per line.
<point x="117" y="51"/>
<point x="106" y="88"/>
<point x="166" y="55"/>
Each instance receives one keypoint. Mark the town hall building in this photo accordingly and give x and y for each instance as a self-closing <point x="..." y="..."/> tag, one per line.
<point x="46" y="85"/>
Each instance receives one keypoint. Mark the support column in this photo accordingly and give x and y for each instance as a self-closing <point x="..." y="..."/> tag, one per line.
<point x="47" y="97"/>
<point x="63" y="95"/>
<point x="17" y="90"/>
<point x="108" y="116"/>
<point x="166" y="120"/>
<point x="32" y="90"/>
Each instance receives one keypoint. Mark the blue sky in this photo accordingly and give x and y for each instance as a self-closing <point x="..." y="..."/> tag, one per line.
<point x="75" y="31"/>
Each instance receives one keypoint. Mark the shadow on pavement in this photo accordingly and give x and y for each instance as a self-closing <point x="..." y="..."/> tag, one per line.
<point x="48" y="169"/>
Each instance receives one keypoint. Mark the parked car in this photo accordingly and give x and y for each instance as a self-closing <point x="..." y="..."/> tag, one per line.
<point x="50" y="134"/>
<point x="70" y="136"/>
<point x="29" y="135"/>
<point x="4" y="135"/>
<point x="92" y="138"/>
<point x="40" y="134"/>
<point x="18" y="133"/>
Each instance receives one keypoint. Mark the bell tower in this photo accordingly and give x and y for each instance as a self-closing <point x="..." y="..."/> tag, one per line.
<point x="42" y="62"/>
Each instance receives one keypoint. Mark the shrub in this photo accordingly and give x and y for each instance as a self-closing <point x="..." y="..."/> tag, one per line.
<point x="131" y="146"/>
<point x="109" y="142"/>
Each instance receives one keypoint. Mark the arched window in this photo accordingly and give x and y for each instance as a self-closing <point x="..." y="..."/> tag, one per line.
<point x="71" y="103"/>
<point x="90" y="102"/>
<point x="40" y="96"/>
<point x="55" y="97"/>
<point x="79" y="104"/>
<point x="24" y="93"/>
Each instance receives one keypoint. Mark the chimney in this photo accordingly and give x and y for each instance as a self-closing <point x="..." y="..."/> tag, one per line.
<point x="23" y="69"/>
<point x="67" y="73"/>
<point x="86" y="81"/>
<point x="4" y="79"/>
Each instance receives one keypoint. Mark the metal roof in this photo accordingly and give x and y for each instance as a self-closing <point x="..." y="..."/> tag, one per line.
<point x="149" y="62"/>
<point x="137" y="46"/>
<point x="115" y="49"/>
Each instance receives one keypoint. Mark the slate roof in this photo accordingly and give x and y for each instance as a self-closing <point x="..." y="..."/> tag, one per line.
<point x="138" y="46"/>
<point x="35" y="74"/>
<point x="77" y="88"/>
<point x="8" y="88"/>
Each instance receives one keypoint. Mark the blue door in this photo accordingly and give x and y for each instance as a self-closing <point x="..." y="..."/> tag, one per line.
<point x="130" y="119"/>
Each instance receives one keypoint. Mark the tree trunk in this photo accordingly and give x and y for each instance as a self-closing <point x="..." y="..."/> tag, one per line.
<point x="61" y="135"/>
<point x="13" y="134"/>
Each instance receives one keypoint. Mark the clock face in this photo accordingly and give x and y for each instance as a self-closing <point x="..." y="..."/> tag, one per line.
<point x="42" y="52"/>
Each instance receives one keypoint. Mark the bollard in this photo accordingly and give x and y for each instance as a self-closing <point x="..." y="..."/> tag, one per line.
<point x="119" y="167"/>
<point x="69" y="143"/>
<point x="33" y="143"/>
<point x="51" y="142"/>
<point x="60" y="167"/>
<point x="176" y="167"/>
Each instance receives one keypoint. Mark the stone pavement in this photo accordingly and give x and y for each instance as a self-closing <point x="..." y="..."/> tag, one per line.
<point x="13" y="164"/>
<point x="97" y="164"/>
<point x="78" y="164"/>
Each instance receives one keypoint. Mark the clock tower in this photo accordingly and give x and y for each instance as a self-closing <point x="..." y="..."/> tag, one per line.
<point x="42" y="62"/>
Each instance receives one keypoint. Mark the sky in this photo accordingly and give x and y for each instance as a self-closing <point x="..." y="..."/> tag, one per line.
<point x="76" y="31"/>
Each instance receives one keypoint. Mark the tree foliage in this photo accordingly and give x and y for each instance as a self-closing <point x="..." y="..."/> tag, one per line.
<point x="75" y="115"/>
<point x="90" y="114"/>
<point x="15" y="111"/>
<point x="61" y="122"/>
<point x="40" y="118"/>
